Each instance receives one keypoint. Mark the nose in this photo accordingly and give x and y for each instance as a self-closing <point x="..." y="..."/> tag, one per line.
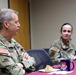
<point x="19" y="25"/>
<point x="66" y="32"/>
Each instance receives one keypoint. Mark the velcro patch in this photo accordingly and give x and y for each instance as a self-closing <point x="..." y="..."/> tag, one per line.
<point x="3" y="51"/>
<point x="53" y="53"/>
<point x="5" y="60"/>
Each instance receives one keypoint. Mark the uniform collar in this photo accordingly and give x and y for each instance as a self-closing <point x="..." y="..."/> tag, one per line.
<point x="65" y="47"/>
<point x="5" y="42"/>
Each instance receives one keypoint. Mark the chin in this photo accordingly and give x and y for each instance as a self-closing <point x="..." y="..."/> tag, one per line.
<point x="16" y="33"/>
<point x="66" y="38"/>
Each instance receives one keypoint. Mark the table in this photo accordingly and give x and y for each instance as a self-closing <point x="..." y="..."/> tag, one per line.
<point x="44" y="73"/>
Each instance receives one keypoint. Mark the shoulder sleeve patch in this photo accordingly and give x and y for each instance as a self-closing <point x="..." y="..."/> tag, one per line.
<point x="55" y="49"/>
<point x="3" y="51"/>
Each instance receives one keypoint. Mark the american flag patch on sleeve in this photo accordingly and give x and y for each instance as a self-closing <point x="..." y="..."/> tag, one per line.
<point x="3" y="51"/>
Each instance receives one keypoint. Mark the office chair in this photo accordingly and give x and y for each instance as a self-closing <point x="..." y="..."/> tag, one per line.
<point x="41" y="56"/>
<point x="46" y="49"/>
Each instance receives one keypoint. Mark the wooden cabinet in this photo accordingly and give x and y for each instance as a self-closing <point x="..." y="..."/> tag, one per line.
<point x="23" y="36"/>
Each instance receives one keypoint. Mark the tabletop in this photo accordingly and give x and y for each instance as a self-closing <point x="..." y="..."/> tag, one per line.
<point x="46" y="73"/>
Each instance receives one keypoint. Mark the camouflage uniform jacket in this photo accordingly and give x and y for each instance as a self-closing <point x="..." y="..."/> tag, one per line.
<point x="59" y="50"/>
<point x="10" y="55"/>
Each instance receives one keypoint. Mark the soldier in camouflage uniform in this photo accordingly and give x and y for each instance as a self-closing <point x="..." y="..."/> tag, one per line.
<point x="13" y="58"/>
<point x="63" y="48"/>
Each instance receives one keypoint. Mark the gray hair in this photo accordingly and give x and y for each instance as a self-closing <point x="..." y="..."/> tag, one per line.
<point x="6" y="15"/>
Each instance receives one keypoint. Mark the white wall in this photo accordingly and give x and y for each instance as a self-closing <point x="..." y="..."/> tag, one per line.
<point x="46" y="18"/>
<point x="3" y="4"/>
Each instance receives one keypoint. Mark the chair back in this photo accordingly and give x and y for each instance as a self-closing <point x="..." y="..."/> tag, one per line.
<point x="41" y="56"/>
<point x="46" y="49"/>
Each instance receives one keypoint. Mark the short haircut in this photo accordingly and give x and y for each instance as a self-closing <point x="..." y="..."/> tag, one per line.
<point x="6" y="15"/>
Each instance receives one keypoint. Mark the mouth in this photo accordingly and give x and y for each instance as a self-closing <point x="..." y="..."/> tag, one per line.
<point x="17" y="30"/>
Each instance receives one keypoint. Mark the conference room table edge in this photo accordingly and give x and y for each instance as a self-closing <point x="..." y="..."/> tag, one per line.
<point x="55" y="66"/>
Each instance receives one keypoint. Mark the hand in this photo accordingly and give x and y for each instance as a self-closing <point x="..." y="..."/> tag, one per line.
<point x="74" y="57"/>
<point x="25" y="55"/>
<point x="20" y="65"/>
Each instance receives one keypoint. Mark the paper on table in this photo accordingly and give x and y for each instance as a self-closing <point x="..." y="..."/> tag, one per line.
<point x="53" y="70"/>
<point x="60" y="72"/>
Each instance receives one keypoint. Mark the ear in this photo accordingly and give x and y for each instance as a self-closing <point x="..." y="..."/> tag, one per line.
<point x="6" y="24"/>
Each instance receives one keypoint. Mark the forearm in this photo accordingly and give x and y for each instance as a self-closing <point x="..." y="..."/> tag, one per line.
<point x="57" y="60"/>
<point x="55" y="56"/>
<point x="10" y="67"/>
<point x="15" y="70"/>
<point x="29" y="63"/>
